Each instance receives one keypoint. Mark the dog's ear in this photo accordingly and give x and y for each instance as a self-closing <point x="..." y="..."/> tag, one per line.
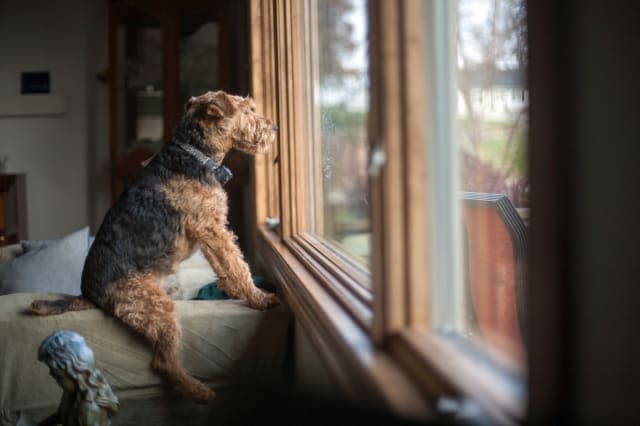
<point x="220" y="106"/>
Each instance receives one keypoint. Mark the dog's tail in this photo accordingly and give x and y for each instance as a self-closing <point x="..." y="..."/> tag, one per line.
<point x="55" y="307"/>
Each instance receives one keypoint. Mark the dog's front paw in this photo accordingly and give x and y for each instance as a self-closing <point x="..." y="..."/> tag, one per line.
<point x="263" y="300"/>
<point x="272" y="300"/>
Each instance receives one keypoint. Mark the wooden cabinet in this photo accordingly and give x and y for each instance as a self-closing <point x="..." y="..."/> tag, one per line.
<point x="160" y="53"/>
<point x="13" y="208"/>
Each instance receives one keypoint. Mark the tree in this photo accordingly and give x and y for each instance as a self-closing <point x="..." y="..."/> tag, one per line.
<point x="492" y="52"/>
<point x="336" y="39"/>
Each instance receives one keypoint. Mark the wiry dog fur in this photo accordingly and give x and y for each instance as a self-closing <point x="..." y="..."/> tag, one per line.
<point x="175" y="206"/>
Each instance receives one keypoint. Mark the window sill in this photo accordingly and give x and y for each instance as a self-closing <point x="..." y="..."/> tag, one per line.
<point x="457" y="368"/>
<point x="365" y="373"/>
<point x="386" y="377"/>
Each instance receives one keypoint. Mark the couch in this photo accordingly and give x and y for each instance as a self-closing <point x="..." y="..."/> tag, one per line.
<point x="224" y="343"/>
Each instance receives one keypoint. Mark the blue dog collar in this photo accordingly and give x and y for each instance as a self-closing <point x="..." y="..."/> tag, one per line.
<point x="222" y="174"/>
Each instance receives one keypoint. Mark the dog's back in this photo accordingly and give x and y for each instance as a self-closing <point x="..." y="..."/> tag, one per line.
<point x="136" y="236"/>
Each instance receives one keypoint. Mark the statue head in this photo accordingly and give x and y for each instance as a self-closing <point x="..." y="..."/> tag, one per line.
<point x="72" y="364"/>
<point x="67" y="351"/>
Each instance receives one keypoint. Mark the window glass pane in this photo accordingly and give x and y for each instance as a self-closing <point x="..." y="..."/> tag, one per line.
<point x="491" y="131"/>
<point x="341" y="105"/>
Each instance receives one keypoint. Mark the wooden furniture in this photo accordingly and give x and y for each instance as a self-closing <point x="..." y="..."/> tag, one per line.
<point x="13" y="208"/>
<point x="496" y="259"/>
<point x="161" y="52"/>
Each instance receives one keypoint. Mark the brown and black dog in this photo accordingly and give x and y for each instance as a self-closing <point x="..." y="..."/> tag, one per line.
<point x="176" y="205"/>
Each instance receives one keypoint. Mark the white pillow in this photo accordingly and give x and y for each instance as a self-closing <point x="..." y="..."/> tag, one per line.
<point x="192" y="273"/>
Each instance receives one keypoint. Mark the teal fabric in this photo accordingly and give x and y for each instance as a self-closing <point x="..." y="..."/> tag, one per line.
<point x="211" y="291"/>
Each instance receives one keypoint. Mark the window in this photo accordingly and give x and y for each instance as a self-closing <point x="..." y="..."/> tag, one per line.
<point x="338" y="63"/>
<point x="478" y="269"/>
<point x="491" y="144"/>
<point x="380" y="117"/>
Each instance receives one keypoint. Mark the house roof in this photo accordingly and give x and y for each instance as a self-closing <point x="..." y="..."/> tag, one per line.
<point x="485" y="77"/>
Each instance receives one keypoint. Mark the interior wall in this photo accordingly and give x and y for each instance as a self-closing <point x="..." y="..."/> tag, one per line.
<point x="585" y="98"/>
<point x="64" y="171"/>
<point x="311" y="373"/>
<point x="98" y="162"/>
<point x="606" y="268"/>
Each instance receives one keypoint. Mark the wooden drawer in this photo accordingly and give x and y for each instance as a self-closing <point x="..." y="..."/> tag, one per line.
<point x="13" y="208"/>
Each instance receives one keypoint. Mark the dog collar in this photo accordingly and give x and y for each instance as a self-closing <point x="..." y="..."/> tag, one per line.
<point x="222" y="174"/>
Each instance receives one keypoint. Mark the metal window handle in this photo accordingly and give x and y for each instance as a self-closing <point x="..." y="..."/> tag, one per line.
<point x="460" y="409"/>
<point x="377" y="160"/>
<point x="272" y="223"/>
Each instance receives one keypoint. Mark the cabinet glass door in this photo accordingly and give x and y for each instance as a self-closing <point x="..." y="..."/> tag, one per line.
<point x="140" y="94"/>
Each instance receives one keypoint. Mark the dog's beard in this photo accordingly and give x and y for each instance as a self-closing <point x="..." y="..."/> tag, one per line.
<point x="259" y="145"/>
<point x="255" y="147"/>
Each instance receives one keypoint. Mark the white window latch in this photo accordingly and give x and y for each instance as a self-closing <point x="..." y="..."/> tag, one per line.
<point x="377" y="159"/>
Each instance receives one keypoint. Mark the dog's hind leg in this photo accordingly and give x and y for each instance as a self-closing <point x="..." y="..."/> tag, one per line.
<point x="143" y="306"/>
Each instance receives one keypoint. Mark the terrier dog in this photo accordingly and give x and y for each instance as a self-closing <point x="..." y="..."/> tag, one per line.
<point x="176" y="205"/>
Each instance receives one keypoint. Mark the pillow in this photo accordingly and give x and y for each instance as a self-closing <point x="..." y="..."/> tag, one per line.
<point x="55" y="267"/>
<point x="31" y="245"/>
<point x="191" y="274"/>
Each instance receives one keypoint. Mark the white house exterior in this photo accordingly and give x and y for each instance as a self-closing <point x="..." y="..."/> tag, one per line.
<point x="498" y="96"/>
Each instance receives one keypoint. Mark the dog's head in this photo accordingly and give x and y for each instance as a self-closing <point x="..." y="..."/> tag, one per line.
<point x="231" y="122"/>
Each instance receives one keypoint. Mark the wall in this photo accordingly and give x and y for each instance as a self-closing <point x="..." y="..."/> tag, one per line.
<point x="584" y="269"/>
<point x="64" y="157"/>
<point x="311" y="373"/>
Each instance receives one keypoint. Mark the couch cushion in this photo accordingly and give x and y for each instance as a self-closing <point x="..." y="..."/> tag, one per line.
<point x="54" y="267"/>
<point x="32" y="245"/>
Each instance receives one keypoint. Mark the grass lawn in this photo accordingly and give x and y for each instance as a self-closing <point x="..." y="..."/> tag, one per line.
<point x="494" y="142"/>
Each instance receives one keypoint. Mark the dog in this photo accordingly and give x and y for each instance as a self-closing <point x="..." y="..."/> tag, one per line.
<point x="176" y="205"/>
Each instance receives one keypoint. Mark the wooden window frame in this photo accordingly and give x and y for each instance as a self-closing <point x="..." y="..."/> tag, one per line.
<point x="380" y="350"/>
<point x="287" y="100"/>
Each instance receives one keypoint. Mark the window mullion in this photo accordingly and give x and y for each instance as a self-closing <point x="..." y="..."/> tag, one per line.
<point x="415" y="105"/>
<point x="387" y="188"/>
<point x="399" y="210"/>
<point x="283" y="88"/>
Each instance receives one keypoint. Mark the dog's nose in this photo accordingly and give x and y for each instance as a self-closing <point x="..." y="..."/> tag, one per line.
<point x="275" y="128"/>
